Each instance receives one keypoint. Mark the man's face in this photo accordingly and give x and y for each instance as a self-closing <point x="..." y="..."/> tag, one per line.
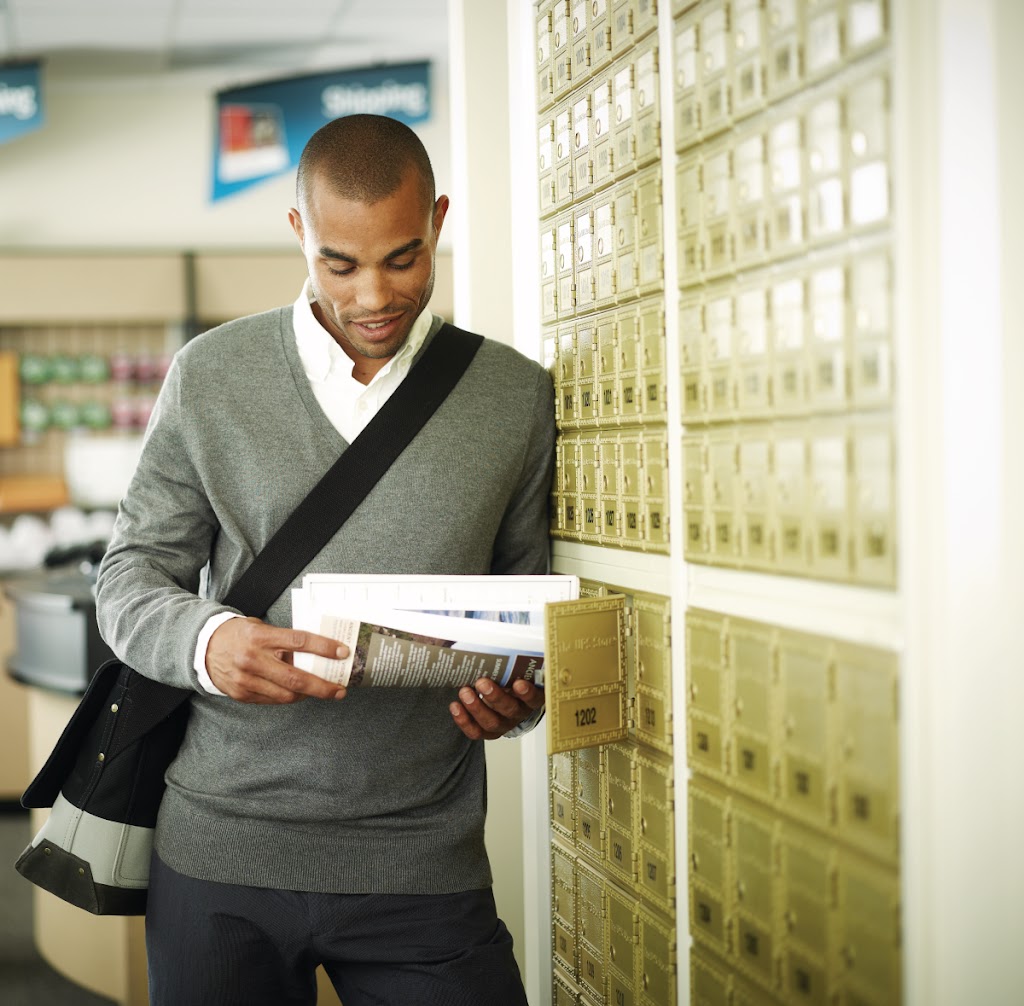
<point x="371" y="266"/>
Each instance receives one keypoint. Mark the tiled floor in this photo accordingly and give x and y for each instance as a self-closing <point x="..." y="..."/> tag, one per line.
<point x="25" y="978"/>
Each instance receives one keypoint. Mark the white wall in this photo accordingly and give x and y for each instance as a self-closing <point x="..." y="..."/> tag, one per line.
<point x="130" y="167"/>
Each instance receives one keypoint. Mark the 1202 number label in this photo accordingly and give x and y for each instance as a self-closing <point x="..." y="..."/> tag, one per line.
<point x="586" y="717"/>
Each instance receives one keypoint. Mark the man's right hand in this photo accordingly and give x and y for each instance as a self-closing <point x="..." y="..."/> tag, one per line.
<point x="250" y="661"/>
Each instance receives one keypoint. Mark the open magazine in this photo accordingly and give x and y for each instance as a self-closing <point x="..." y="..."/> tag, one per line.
<point x="429" y="631"/>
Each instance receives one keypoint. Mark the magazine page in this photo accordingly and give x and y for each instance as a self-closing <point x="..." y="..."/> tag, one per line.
<point x="395" y="648"/>
<point x="433" y="592"/>
<point x="479" y="626"/>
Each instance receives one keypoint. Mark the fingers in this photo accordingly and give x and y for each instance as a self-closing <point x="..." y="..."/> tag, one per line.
<point x="488" y="711"/>
<point x="250" y="661"/>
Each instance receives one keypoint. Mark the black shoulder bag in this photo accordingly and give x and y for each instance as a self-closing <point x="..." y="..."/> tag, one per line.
<point x="105" y="777"/>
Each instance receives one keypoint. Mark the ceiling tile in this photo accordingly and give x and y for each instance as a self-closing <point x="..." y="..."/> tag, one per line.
<point x="104" y="29"/>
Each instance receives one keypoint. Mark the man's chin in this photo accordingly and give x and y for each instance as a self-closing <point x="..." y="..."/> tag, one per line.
<point x="372" y="349"/>
<point x="377" y="350"/>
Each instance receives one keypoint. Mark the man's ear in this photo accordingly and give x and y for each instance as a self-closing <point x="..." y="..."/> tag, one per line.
<point x="440" y="210"/>
<point x="295" y="219"/>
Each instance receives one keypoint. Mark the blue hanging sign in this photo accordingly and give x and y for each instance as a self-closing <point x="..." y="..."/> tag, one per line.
<point x="262" y="129"/>
<point x="21" y="100"/>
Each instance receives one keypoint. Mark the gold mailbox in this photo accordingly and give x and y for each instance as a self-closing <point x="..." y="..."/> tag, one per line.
<point x="656" y="838"/>
<point x="620" y="809"/>
<point x="686" y="89"/>
<point x="653" y="626"/>
<point x="709" y="981"/>
<point x="586" y="678"/>
<point x="869" y="932"/>
<point x="582" y="165"/>
<point x="754" y="854"/>
<point x="748" y="63"/>
<point x="563" y="990"/>
<point x="587" y="816"/>
<point x="563" y="907"/>
<point x="808" y="883"/>
<point x="867" y="756"/>
<point x="713" y="39"/>
<point x="805" y="727"/>
<point x="623" y="936"/>
<point x="657" y="985"/>
<point x="648" y="129"/>
<point x="591" y="912"/>
<point x="751" y="658"/>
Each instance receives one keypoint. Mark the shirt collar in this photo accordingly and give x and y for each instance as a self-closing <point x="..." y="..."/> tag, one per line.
<point x="319" y="351"/>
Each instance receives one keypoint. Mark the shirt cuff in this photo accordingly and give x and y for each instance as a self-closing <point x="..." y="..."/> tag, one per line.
<point x="213" y="623"/>
<point x="526" y="725"/>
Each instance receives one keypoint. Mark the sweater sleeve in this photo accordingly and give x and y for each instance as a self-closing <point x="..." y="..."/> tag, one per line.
<point x="522" y="544"/>
<point x="147" y="602"/>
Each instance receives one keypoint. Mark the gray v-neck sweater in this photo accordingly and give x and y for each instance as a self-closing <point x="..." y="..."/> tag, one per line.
<point x="379" y="792"/>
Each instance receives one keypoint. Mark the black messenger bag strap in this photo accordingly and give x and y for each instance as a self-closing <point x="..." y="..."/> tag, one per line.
<point x="292" y="547"/>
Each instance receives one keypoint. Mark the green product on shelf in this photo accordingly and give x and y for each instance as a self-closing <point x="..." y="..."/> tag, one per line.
<point x="64" y="415"/>
<point x="95" y="415"/>
<point x="34" y="369"/>
<point x="65" y="369"/>
<point x="93" y="368"/>
<point x="35" y="417"/>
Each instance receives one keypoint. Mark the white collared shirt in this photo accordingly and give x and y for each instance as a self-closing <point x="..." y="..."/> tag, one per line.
<point x="347" y="403"/>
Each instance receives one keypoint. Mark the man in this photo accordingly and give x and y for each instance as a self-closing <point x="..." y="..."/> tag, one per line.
<point x="298" y="829"/>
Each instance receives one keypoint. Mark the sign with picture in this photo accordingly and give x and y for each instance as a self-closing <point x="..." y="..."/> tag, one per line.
<point x="262" y="128"/>
<point x="21" y="100"/>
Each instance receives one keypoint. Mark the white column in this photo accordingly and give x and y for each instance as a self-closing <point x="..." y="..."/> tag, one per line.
<point x="480" y="220"/>
<point x="481" y="211"/>
<point x="962" y="368"/>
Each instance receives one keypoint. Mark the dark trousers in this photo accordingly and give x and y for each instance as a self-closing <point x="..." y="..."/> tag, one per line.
<point x="215" y="944"/>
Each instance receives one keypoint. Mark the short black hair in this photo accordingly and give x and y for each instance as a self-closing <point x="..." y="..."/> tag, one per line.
<point x="365" y="158"/>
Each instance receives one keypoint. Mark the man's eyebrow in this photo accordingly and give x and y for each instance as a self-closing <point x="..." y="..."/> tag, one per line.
<point x="404" y="250"/>
<point x="332" y="253"/>
<point x="326" y="252"/>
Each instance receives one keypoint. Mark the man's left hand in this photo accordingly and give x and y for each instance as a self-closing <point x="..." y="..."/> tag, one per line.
<point x="486" y="711"/>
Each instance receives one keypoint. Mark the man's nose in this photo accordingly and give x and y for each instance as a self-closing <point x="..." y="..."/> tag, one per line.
<point x="374" y="292"/>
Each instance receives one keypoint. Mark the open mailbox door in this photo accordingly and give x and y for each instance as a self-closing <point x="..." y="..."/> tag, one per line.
<point x="586" y="674"/>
